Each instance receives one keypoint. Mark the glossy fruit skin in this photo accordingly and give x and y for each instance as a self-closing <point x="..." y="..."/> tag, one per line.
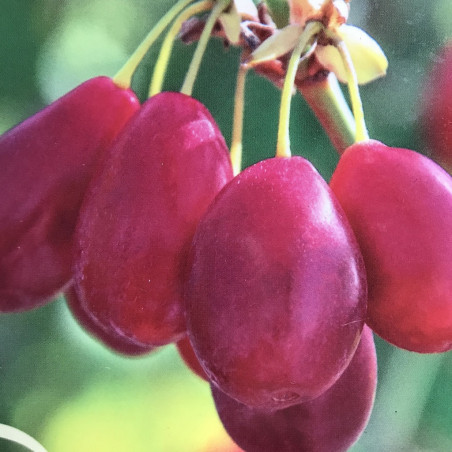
<point x="436" y="108"/>
<point x="112" y="340"/>
<point x="276" y="297"/>
<point x="330" y="423"/>
<point x="140" y="215"/>
<point x="188" y="355"/>
<point x="399" y="204"/>
<point x="46" y="163"/>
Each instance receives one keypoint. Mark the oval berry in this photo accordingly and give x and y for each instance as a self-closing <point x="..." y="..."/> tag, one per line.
<point x="276" y="296"/>
<point x="331" y="422"/>
<point x="111" y="339"/>
<point x="188" y="355"/>
<point x="46" y="163"/>
<point x="140" y="214"/>
<point x="399" y="204"/>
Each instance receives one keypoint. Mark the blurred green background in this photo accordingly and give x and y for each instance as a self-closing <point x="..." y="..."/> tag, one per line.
<point x="61" y="386"/>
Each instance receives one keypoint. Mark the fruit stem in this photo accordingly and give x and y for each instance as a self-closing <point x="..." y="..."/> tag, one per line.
<point x="353" y="90"/>
<point x="192" y="72"/>
<point x="283" y="143"/>
<point x="165" y="51"/>
<point x="327" y="101"/>
<point x="123" y="77"/>
<point x="237" y="125"/>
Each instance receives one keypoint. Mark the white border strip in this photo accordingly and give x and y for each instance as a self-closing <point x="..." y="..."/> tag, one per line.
<point x="20" y="437"/>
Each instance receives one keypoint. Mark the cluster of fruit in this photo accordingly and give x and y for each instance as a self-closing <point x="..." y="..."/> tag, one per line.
<point x="268" y="280"/>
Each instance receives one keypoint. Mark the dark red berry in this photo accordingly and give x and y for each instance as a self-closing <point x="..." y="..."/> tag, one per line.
<point x="46" y="163"/>
<point x="330" y="423"/>
<point x="112" y="340"/>
<point x="140" y="214"/>
<point x="188" y="355"/>
<point x="276" y="297"/>
<point x="399" y="204"/>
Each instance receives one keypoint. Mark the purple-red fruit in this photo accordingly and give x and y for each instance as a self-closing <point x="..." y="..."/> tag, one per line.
<point x="276" y="296"/>
<point x="399" y="204"/>
<point x="46" y="163"/>
<point x="188" y="355"/>
<point x="140" y="214"/>
<point x="330" y="423"/>
<point x="111" y="339"/>
<point x="436" y="108"/>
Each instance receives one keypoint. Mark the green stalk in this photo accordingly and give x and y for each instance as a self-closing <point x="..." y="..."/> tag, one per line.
<point x="165" y="51"/>
<point x="237" y="125"/>
<point x="192" y="72"/>
<point x="123" y="77"/>
<point x="327" y="101"/>
<point x="283" y="143"/>
<point x="355" y="98"/>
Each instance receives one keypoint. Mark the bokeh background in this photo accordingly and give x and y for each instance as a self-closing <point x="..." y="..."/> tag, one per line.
<point x="65" y="389"/>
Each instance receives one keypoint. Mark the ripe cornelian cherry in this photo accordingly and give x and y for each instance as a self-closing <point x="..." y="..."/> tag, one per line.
<point x="188" y="355"/>
<point x="276" y="295"/>
<point x="46" y="163"/>
<point x="436" y="108"/>
<point x="331" y="422"/>
<point x="399" y="204"/>
<point x="111" y="339"/>
<point x="139" y="216"/>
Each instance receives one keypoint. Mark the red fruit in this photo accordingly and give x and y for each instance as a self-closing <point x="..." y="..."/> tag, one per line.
<point x="330" y="423"/>
<point x="188" y="355"/>
<point x="115" y="342"/>
<point x="276" y="297"/>
<point x="46" y="163"/>
<point x="436" y="108"/>
<point x="399" y="204"/>
<point x="140" y="214"/>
